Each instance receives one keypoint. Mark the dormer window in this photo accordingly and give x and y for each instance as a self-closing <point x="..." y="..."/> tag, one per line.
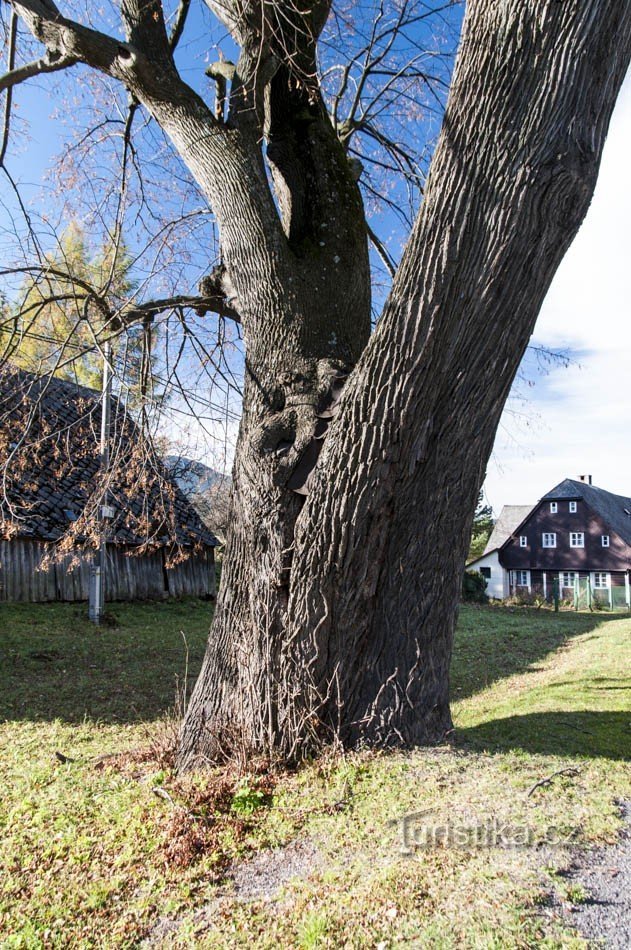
<point x="554" y="507"/>
<point x="604" y="540"/>
<point x="523" y="541"/>
<point x="572" y="507"/>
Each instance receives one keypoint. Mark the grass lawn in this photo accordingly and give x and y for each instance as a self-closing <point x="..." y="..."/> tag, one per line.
<point x="103" y="846"/>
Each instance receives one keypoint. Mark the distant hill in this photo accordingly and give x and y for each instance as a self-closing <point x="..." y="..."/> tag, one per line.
<point x="194" y="478"/>
<point x="207" y="490"/>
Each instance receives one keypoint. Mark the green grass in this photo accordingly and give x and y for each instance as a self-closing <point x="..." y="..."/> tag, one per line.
<point x="58" y="665"/>
<point x="577" y="705"/>
<point x="96" y="851"/>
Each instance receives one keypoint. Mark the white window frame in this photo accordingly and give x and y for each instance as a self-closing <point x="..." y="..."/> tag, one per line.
<point x="572" y="507"/>
<point x="577" y="539"/>
<point x="568" y="574"/>
<point x="549" y="539"/>
<point x="523" y="541"/>
<point x="554" y="507"/>
<point x="604" y="540"/>
<point x="597" y="580"/>
<point x="522" y="575"/>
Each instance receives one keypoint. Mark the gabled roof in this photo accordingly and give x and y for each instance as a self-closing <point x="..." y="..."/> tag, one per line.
<point x="511" y="516"/>
<point x="49" y="454"/>
<point x="615" y="510"/>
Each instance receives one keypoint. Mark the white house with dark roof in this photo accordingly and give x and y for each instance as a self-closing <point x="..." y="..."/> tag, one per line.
<point x="576" y="538"/>
<point x="488" y="564"/>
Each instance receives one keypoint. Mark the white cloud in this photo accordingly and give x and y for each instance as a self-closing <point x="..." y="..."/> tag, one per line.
<point x="581" y="416"/>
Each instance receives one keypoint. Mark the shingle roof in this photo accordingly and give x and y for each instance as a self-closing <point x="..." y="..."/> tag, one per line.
<point x="511" y="516"/>
<point x="49" y="450"/>
<point x="615" y="510"/>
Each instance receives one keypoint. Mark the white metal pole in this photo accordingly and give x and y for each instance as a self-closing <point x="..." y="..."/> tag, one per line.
<point x="97" y="588"/>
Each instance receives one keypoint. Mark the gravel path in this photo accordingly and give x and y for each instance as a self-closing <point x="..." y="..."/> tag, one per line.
<point x="605" y="917"/>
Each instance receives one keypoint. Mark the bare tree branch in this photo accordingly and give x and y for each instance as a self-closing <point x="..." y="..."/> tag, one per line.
<point x="381" y="251"/>
<point x="67" y="38"/>
<point x="201" y="304"/>
<point x="13" y="30"/>
<point x="51" y="62"/>
<point x="180" y="22"/>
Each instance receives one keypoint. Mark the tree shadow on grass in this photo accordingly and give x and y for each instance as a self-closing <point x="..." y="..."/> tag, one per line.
<point x="592" y="734"/>
<point x="493" y="643"/>
<point x="56" y="665"/>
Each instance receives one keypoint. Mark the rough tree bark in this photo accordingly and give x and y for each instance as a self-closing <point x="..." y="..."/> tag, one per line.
<point x="336" y="613"/>
<point x="381" y="544"/>
<point x="379" y="548"/>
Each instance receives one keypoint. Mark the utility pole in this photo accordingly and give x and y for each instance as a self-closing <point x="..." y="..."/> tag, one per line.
<point x="97" y="577"/>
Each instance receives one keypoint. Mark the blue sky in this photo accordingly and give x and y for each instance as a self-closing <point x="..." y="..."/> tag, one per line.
<point x="578" y="420"/>
<point x="575" y="419"/>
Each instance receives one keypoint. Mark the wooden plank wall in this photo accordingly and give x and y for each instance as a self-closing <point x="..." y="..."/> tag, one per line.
<point x="133" y="578"/>
<point x="127" y="577"/>
<point x="194" y="576"/>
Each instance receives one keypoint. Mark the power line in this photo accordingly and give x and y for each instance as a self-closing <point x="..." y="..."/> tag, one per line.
<point x="85" y="351"/>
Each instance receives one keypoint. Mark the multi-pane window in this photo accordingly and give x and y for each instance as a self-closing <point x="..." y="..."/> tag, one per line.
<point x="601" y="580"/>
<point x="521" y="578"/>
<point x="604" y="540"/>
<point x="523" y="541"/>
<point x="572" y="507"/>
<point x="549" y="540"/>
<point x="567" y="578"/>
<point x="577" y="539"/>
<point x="554" y="507"/>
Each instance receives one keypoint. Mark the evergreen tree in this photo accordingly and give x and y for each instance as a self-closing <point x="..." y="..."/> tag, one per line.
<point x="481" y="530"/>
<point x="57" y="320"/>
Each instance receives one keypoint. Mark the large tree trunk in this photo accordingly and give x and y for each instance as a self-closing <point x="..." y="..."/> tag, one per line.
<point x="374" y="562"/>
<point x="288" y="387"/>
<point x="336" y="615"/>
<point x="302" y="342"/>
<point x="380" y="547"/>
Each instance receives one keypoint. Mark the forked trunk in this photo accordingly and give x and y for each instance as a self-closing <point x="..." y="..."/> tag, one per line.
<point x="290" y="390"/>
<point x="336" y="619"/>
<point x="336" y="613"/>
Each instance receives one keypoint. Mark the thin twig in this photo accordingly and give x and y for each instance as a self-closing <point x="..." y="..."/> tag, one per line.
<point x="548" y="780"/>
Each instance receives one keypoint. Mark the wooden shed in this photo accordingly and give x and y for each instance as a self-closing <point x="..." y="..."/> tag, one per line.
<point x="51" y="502"/>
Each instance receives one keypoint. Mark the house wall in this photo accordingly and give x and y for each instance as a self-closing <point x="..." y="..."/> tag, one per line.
<point x="542" y="583"/>
<point x="497" y="583"/>
<point x="592" y="557"/>
<point x="194" y="576"/>
<point x="23" y="579"/>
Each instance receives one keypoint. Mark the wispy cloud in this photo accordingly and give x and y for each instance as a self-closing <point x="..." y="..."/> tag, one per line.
<point x="580" y="417"/>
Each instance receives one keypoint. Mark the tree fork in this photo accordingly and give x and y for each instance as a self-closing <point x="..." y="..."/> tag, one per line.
<point x="381" y="543"/>
<point x="336" y="615"/>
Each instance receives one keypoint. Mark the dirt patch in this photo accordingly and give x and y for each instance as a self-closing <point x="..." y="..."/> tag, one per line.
<point x="260" y="878"/>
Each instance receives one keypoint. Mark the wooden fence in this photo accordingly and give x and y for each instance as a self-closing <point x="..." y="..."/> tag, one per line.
<point x="23" y="579"/>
